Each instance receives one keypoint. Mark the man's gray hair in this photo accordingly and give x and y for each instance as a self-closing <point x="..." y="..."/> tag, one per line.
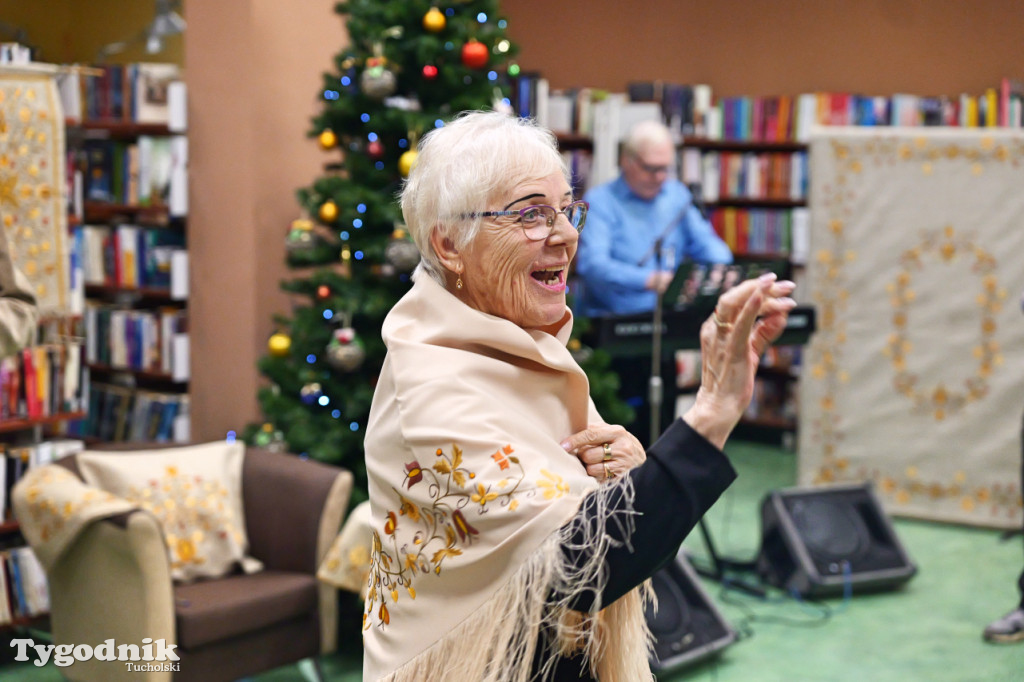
<point x="644" y="135"/>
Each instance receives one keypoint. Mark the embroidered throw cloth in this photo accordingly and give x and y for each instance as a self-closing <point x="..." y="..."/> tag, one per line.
<point x="469" y="488"/>
<point x="347" y="563"/>
<point x="194" y="491"/>
<point x="32" y="204"/>
<point x="53" y="506"/>
<point x="915" y="377"/>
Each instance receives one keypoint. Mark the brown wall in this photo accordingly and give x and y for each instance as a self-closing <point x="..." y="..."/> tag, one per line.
<point x="766" y="47"/>
<point x="253" y="69"/>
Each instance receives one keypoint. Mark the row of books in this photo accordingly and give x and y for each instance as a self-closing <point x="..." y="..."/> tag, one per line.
<point x="144" y="340"/>
<point x="121" y="413"/>
<point x="692" y="111"/>
<point x="764" y="230"/>
<point x="751" y="175"/>
<point x="773" y="401"/>
<point x="132" y="257"/>
<point x="143" y="172"/>
<point x="24" y="591"/>
<point x="42" y="381"/>
<point x="145" y="92"/>
<point x="578" y="162"/>
<point x="16" y="460"/>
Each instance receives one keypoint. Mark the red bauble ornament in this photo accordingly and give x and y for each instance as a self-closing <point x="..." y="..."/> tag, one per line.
<point x="430" y="72"/>
<point x="475" y="54"/>
<point x="323" y="291"/>
<point x="375" y="149"/>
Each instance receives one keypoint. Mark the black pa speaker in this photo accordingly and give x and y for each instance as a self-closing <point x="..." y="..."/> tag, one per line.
<point x="686" y="625"/>
<point x="818" y="541"/>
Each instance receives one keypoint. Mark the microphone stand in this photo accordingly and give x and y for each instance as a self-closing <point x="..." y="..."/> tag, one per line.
<point x="655" y="397"/>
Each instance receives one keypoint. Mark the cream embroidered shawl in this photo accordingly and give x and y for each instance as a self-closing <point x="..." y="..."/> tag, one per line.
<point x="469" y="488"/>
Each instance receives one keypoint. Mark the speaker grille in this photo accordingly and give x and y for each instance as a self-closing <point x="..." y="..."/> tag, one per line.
<point x="686" y="627"/>
<point x="816" y="541"/>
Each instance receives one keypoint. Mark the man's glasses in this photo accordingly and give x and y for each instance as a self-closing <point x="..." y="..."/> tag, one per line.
<point x="652" y="170"/>
<point x="538" y="222"/>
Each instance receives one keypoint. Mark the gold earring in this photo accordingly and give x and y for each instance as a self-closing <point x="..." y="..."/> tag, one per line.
<point x="458" y="282"/>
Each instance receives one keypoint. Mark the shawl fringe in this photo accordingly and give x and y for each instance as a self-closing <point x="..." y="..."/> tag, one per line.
<point x="498" y="643"/>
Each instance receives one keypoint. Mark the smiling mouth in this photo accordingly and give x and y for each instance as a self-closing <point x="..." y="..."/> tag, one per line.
<point x="550" y="277"/>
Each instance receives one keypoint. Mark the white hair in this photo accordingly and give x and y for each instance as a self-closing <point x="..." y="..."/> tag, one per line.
<point x="644" y="135"/>
<point x="463" y="167"/>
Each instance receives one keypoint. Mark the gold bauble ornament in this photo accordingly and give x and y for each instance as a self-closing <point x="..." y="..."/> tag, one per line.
<point x="434" y="20"/>
<point x="406" y="161"/>
<point x="328" y="140"/>
<point x="328" y="211"/>
<point x="279" y="344"/>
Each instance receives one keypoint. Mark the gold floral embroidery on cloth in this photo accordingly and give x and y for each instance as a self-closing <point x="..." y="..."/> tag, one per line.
<point x="441" y="527"/>
<point x="52" y="516"/>
<point x="192" y="511"/>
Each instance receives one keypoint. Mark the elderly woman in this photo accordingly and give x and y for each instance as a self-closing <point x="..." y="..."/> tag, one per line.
<point x="514" y="529"/>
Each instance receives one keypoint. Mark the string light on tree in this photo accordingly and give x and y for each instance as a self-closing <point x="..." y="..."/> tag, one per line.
<point x="323" y="291"/>
<point x="430" y="72"/>
<point x="375" y="149"/>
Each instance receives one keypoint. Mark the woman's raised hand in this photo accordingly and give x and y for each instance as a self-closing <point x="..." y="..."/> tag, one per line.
<point x="747" y="319"/>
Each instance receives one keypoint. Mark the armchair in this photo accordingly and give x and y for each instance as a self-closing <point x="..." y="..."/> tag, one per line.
<point x="114" y="582"/>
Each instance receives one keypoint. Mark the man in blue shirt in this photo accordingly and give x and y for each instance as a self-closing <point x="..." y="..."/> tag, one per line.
<point x="619" y="262"/>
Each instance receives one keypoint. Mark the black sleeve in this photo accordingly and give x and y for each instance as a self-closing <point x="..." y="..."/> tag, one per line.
<point x="683" y="476"/>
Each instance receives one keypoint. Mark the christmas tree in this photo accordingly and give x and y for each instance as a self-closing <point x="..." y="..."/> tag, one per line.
<point x="409" y="67"/>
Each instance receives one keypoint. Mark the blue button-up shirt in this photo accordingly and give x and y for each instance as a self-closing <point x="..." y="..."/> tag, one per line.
<point x="620" y="232"/>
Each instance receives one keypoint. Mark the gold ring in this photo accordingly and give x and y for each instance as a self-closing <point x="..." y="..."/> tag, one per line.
<point x="607" y="451"/>
<point x="606" y="474"/>
<point x="724" y="326"/>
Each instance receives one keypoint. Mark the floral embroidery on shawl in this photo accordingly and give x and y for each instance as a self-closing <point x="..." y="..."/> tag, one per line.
<point x="441" y="526"/>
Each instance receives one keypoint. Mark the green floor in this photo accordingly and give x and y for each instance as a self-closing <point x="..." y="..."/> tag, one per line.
<point x="930" y="631"/>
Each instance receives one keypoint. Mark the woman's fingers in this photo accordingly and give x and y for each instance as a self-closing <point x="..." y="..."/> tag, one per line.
<point x="606" y="451"/>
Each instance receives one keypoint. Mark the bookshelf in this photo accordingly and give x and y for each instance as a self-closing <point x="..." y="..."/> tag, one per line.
<point x="25" y="445"/>
<point x="129" y="204"/>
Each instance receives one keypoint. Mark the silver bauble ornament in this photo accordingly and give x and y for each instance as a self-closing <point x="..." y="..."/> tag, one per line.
<point x="345" y="351"/>
<point x="378" y="82"/>
<point x="402" y="254"/>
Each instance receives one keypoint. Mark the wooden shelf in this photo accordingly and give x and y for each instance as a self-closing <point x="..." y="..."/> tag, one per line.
<point x="743" y="145"/>
<point x="159" y="295"/>
<point x="104" y="212"/>
<point x="570" y="141"/>
<point x="18" y="424"/>
<point x="777" y="423"/>
<point x="114" y="128"/>
<point x="145" y="375"/>
<point x="784" y="372"/>
<point x="742" y="202"/>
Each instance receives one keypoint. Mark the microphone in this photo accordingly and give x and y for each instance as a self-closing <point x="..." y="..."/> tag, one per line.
<point x="697" y="198"/>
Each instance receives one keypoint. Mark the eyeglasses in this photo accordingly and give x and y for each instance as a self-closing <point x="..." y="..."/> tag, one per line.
<point x="538" y="222"/>
<point x="647" y="168"/>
